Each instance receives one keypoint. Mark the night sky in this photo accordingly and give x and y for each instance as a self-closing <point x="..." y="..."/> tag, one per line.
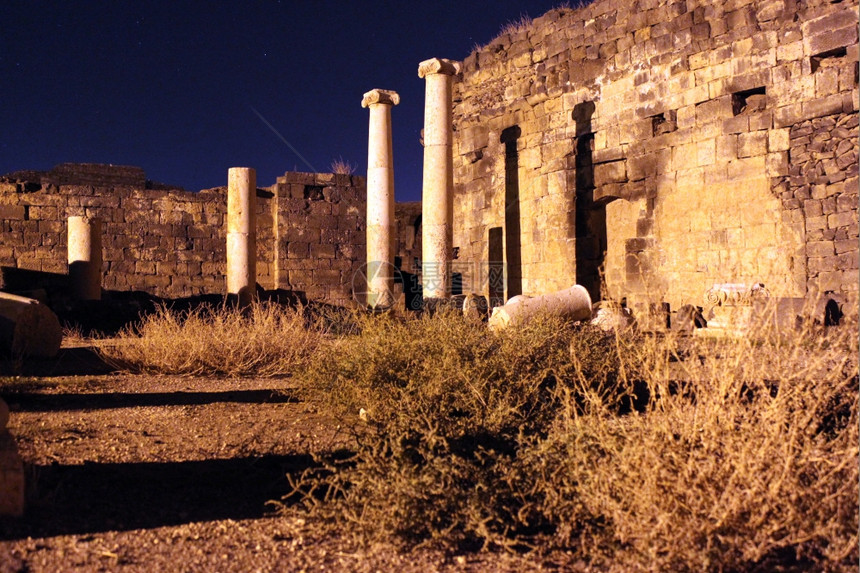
<point x="186" y="89"/>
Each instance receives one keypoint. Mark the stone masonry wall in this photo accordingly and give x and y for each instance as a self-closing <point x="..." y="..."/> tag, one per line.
<point x="821" y="189"/>
<point x="169" y="243"/>
<point x="320" y="226"/>
<point x="651" y="149"/>
<point x="162" y="242"/>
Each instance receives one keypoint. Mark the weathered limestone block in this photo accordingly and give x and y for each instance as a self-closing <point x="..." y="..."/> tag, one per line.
<point x="573" y="303"/>
<point x="609" y="316"/>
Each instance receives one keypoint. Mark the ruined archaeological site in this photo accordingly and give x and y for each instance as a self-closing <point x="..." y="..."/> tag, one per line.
<point x="618" y="333"/>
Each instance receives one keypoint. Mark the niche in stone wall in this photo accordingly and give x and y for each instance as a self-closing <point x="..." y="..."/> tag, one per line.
<point x="829" y="59"/>
<point x="314" y="193"/>
<point x="513" y="248"/>
<point x="664" y="123"/>
<point x="590" y="232"/>
<point x="749" y="101"/>
<point x="496" y="265"/>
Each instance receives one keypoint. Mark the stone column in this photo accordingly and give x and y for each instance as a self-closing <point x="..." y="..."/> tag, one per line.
<point x="85" y="257"/>
<point x="438" y="183"/>
<point x="242" y="233"/>
<point x="573" y="303"/>
<point x="380" y="199"/>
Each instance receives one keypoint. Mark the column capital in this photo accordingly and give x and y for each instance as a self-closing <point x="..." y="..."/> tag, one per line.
<point x="439" y="66"/>
<point x="387" y="97"/>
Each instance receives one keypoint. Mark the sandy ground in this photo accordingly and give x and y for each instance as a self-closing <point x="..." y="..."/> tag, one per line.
<point x="143" y="473"/>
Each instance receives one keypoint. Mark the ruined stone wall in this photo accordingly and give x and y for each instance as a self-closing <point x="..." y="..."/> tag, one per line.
<point x="169" y="243"/>
<point x="651" y="149"/>
<point x="165" y="243"/>
<point x="320" y="225"/>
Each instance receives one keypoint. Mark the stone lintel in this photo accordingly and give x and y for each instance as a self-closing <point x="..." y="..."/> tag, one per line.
<point x="388" y="97"/>
<point x="439" y="66"/>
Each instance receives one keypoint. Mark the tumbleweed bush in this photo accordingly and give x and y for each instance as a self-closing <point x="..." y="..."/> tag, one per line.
<point x="265" y="339"/>
<point x="630" y="452"/>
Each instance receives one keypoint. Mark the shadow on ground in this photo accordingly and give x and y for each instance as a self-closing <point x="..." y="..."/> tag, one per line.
<point x="96" y="497"/>
<point x="40" y="402"/>
<point x="68" y="362"/>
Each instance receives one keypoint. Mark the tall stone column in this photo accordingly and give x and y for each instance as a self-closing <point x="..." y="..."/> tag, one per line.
<point x="380" y="199"/>
<point x="438" y="183"/>
<point x="242" y="233"/>
<point x="85" y="257"/>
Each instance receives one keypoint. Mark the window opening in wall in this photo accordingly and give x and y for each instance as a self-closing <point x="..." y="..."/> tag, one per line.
<point x="314" y="193"/>
<point x="827" y="59"/>
<point x="496" y="265"/>
<point x="590" y="216"/>
<point x="513" y="248"/>
<point x="456" y="284"/>
<point x="664" y="123"/>
<point x="749" y="101"/>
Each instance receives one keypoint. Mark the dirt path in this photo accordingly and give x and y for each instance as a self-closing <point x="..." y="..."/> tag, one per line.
<point x="142" y="473"/>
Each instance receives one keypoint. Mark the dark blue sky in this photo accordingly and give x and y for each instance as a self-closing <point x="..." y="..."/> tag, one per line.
<point x="172" y="86"/>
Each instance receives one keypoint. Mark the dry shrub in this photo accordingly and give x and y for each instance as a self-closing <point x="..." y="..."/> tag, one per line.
<point x="746" y="459"/>
<point x="342" y="167"/>
<point x="740" y="455"/>
<point x="261" y="340"/>
<point x="447" y="407"/>
<point x="514" y="27"/>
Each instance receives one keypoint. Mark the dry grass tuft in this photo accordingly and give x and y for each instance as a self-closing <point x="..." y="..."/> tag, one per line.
<point x="262" y="340"/>
<point x="514" y="27"/>
<point x="342" y="167"/>
<point x="634" y="453"/>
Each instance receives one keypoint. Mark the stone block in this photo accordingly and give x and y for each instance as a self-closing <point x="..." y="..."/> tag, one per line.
<point x="737" y="124"/>
<point x="831" y="39"/>
<point x="788" y="115"/>
<point x="822" y="107"/>
<point x="298" y="250"/>
<point x="747" y="168"/>
<point x="727" y="148"/>
<point x="706" y="152"/>
<point x="778" y="140"/>
<point x="844" y="219"/>
<point x="302" y="234"/>
<point x="820" y="249"/>
<point x="13" y="212"/>
<point x="777" y="164"/>
<point x="761" y="121"/>
<point x="816" y="223"/>
<point x="613" y="172"/>
<point x="322" y="251"/>
<point x="327" y="277"/>
<point x="684" y="156"/>
<point x="642" y="166"/>
<point x="752" y="144"/>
